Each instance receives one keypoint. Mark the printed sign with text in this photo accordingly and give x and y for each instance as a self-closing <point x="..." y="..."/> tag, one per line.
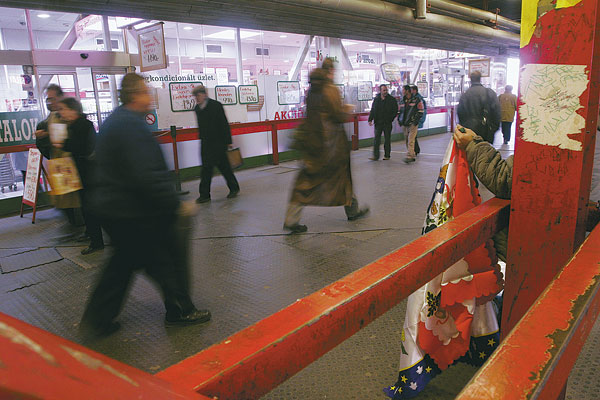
<point x="181" y="95"/>
<point x="32" y="177"/>
<point x="248" y="94"/>
<point x="342" y="89"/>
<point x="365" y="91"/>
<point x="226" y="95"/>
<point x="288" y="92"/>
<point x="151" y="42"/>
<point x="482" y="66"/>
<point x="18" y="128"/>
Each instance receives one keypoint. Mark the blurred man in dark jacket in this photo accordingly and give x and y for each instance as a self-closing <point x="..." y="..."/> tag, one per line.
<point x="136" y="200"/>
<point x="479" y="109"/>
<point x="215" y="137"/>
<point x="383" y="112"/>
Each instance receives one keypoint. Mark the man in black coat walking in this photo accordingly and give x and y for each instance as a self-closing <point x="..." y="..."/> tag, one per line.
<point x="215" y="137"/>
<point x="134" y="195"/>
<point x="383" y="112"/>
<point x="479" y="109"/>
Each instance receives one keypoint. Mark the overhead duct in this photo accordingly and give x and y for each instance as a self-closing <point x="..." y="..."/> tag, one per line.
<point x="421" y="9"/>
<point x="474" y="13"/>
<point x="371" y="20"/>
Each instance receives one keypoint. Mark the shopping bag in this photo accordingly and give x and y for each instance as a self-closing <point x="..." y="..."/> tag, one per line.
<point x="64" y="177"/>
<point x="235" y="158"/>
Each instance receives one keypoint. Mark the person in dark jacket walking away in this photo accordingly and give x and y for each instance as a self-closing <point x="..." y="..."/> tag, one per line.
<point x="409" y="120"/>
<point x="135" y="197"/>
<point x="383" y="112"/>
<point x="215" y="138"/>
<point x="81" y="143"/>
<point x="479" y="109"/>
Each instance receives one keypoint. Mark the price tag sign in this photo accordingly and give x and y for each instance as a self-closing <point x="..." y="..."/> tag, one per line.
<point x="151" y="42"/>
<point x="365" y="91"/>
<point x="226" y="95"/>
<point x="181" y="95"/>
<point x="248" y="94"/>
<point x="288" y="92"/>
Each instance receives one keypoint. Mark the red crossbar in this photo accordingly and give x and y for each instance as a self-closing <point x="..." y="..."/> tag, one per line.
<point x="35" y="364"/>
<point x="255" y="360"/>
<point x="535" y="360"/>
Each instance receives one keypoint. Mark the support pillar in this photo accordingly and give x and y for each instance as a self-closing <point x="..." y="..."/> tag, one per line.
<point x="556" y="134"/>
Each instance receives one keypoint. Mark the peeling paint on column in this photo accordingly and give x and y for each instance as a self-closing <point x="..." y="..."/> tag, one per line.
<point x="96" y="364"/>
<point x="532" y="10"/>
<point x="550" y="99"/>
<point x="17" y="337"/>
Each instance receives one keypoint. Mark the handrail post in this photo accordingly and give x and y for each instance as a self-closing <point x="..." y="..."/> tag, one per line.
<point x="176" y="161"/>
<point x="274" y="143"/>
<point x="451" y="118"/>
<point x="355" y="135"/>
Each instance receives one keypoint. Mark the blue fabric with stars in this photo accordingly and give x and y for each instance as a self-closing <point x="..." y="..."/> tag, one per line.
<point x="413" y="380"/>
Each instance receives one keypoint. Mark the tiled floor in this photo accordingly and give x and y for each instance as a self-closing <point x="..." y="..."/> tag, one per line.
<point x="244" y="268"/>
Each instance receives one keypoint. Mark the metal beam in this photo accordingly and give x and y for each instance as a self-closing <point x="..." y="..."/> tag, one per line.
<point x="300" y="57"/>
<point x="474" y="13"/>
<point x="257" y="359"/>
<point x="39" y="365"/>
<point x="535" y="359"/>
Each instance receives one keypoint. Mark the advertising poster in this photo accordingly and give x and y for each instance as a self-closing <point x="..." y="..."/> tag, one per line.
<point x="32" y="178"/>
<point x="181" y="95"/>
<point x="288" y="92"/>
<point x="226" y="95"/>
<point x="151" y="42"/>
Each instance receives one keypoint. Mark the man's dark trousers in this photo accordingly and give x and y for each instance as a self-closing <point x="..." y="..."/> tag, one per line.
<point x="149" y="244"/>
<point x="211" y="158"/>
<point x="387" y="136"/>
<point x="506" y="130"/>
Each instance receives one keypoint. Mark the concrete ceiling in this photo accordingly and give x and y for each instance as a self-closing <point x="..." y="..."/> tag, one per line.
<point x="300" y="17"/>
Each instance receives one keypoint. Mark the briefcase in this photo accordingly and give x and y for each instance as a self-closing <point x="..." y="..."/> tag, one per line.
<point x="235" y="158"/>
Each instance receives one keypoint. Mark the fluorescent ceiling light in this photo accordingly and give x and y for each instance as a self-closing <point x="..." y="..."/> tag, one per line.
<point x="187" y="28"/>
<point x="282" y="36"/>
<point x="394" y="48"/>
<point x="286" y="61"/>
<point x="230" y="34"/>
<point x="371" y="45"/>
<point x="43" y="16"/>
<point x="348" y="43"/>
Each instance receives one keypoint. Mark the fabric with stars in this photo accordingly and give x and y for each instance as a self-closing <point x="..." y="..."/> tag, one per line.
<point x="451" y="318"/>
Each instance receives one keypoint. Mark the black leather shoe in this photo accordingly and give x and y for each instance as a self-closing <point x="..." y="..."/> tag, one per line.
<point x="195" y="317"/>
<point x="233" y="194"/>
<point x="361" y="213"/>
<point x="91" y="249"/>
<point x="201" y="199"/>
<point x="296" y="228"/>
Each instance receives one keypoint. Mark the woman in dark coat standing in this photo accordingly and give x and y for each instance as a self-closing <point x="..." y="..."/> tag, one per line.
<point x="81" y="142"/>
<point x="325" y="178"/>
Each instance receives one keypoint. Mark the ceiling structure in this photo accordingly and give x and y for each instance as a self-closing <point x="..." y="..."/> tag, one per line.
<point x="367" y="20"/>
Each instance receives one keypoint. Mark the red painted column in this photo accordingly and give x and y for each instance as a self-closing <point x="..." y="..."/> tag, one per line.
<point x="556" y="133"/>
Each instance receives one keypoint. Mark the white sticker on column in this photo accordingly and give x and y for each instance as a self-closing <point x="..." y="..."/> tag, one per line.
<point x="550" y="96"/>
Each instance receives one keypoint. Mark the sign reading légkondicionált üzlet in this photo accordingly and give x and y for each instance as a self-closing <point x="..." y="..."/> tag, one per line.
<point x="181" y="95"/>
<point x="17" y="128"/>
<point x="151" y="42"/>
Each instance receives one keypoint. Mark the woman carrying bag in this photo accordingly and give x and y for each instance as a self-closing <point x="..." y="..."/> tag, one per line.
<point x="80" y="143"/>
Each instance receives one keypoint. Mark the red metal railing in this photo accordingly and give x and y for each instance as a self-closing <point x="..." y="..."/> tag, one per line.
<point x="255" y="360"/>
<point x="535" y="359"/>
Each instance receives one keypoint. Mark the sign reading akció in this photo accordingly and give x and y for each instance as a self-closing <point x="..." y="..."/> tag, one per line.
<point x="151" y="42"/>
<point x="248" y="94"/>
<point x="226" y="95"/>
<point x="17" y="128"/>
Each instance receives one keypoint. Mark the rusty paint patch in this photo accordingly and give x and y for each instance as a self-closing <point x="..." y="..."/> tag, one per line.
<point x="17" y="337"/>
<point x="95" y="364"/>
